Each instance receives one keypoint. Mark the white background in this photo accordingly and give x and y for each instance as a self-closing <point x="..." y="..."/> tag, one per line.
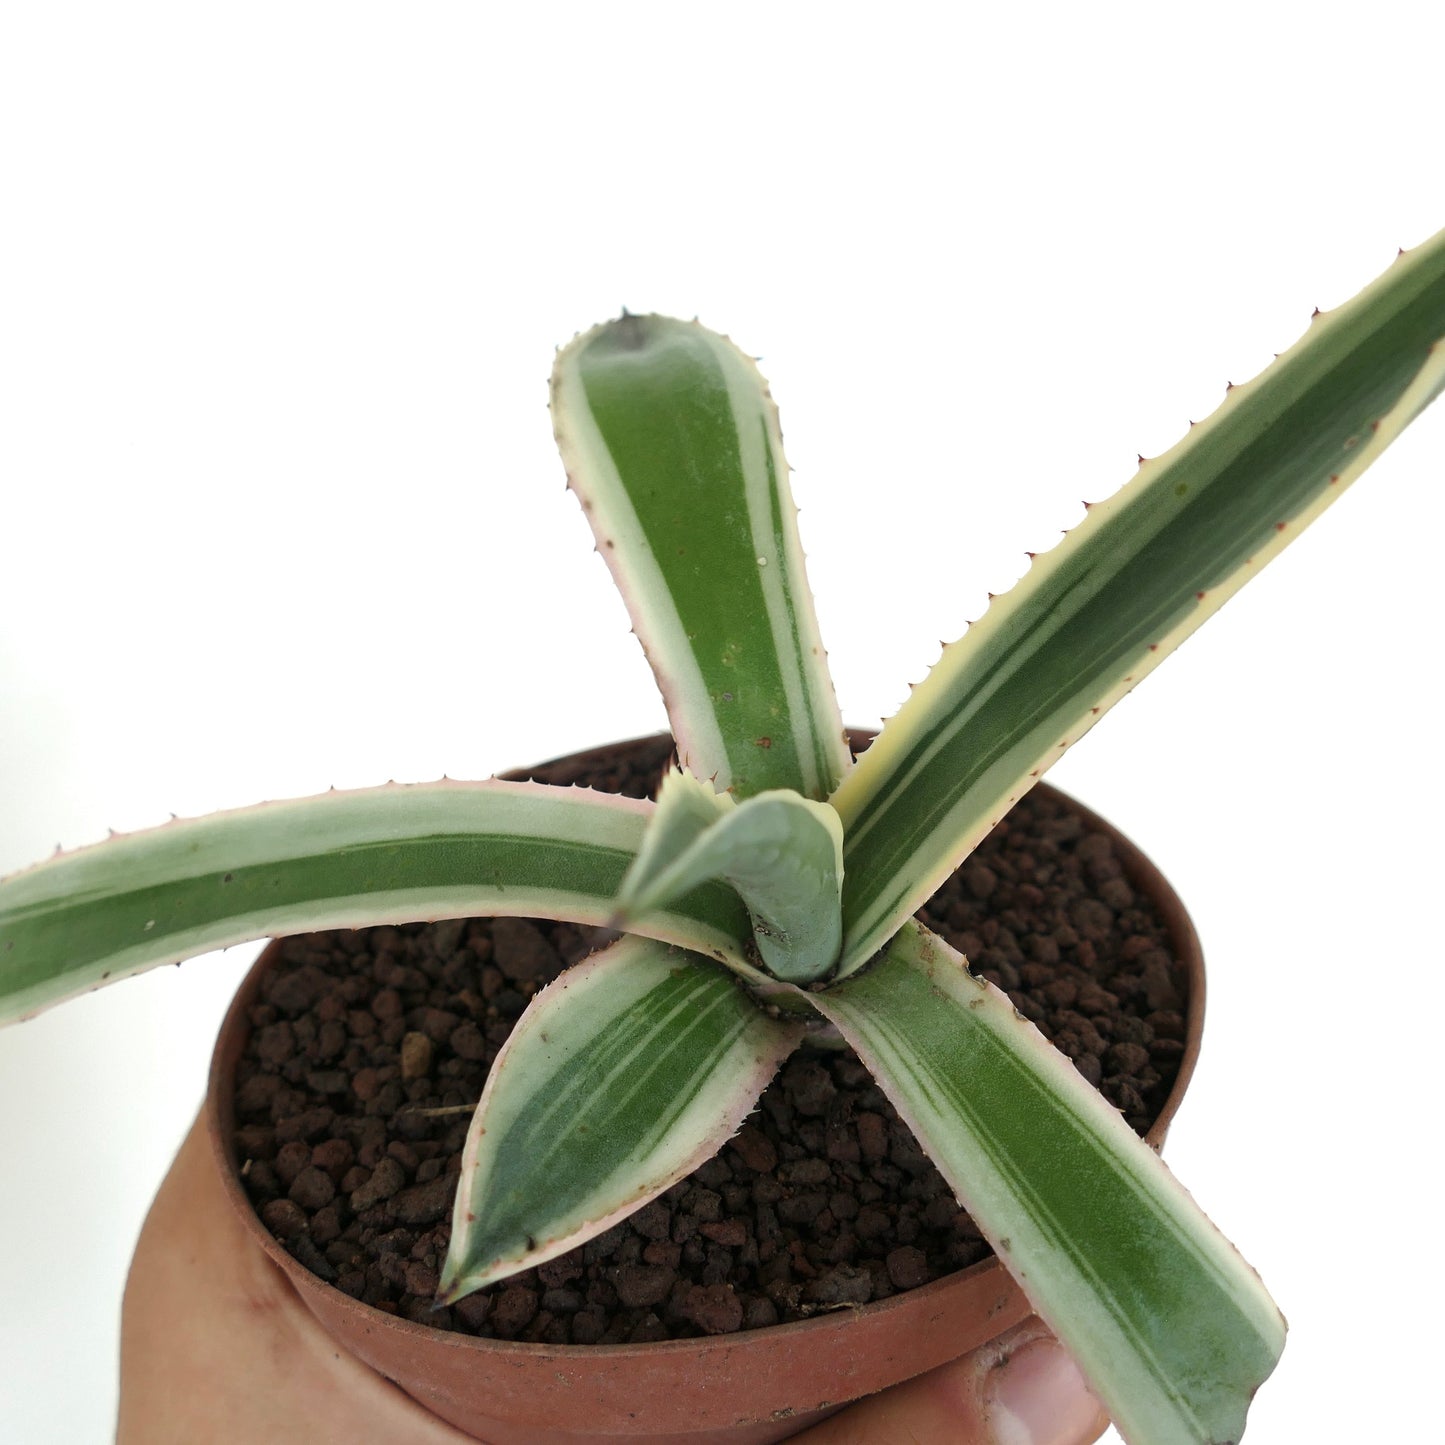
<point x="278" y="299"/>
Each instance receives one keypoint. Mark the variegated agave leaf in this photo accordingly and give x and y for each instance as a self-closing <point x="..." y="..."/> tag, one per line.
<point x="781" y="853"/>
<point x="672" y="444"/>
<point x="344" y="859"/>
<point x="1172" y="1329"/>
<point x="620" y="1078"/>
<point x="1122" y="590"/>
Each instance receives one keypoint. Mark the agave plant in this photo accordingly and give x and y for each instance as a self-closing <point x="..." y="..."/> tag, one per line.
<point x="769" y="894"/>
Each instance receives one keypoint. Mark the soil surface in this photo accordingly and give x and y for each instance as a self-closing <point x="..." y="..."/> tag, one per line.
<point x="823" y="1198"/>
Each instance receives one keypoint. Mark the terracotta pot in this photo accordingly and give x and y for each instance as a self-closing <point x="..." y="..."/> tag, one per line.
<point x="749" y="1388"/>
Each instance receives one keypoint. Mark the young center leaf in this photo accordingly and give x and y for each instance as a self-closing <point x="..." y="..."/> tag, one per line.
<point x="1170" y="1326"/>
<point x="341" y="860"/>
<point x="781" y="853"/>
<point x="1126" y="586"/>
<point x="686" y="808"/>
<point x="672" y="444"/>
<point x="620" y="1078"/>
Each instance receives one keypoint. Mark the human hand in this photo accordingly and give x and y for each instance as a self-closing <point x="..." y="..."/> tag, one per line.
<point x="1020" y="1389"/>
<point x="217" y="1349"/>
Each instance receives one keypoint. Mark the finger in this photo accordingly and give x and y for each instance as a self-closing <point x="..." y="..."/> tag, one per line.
<point x="216" y="1346"/>
<point x="1021" y="1389"/>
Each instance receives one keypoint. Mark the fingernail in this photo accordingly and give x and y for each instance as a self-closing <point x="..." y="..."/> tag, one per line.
<point x="1038" y="1397"/>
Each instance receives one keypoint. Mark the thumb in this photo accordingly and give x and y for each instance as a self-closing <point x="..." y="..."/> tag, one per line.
<point x="1020" y="1389"/>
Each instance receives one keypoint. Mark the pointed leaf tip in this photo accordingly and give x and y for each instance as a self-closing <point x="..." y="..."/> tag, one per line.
<point x="663" y="1055"/>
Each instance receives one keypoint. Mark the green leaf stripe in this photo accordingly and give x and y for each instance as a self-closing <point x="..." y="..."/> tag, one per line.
<point x="341" y="860"/>
<point x="1171" y="1327"/>
<point x="1124" y="588"/>
<point x="672" y="444"/>
<point x="622" y="1077"/>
